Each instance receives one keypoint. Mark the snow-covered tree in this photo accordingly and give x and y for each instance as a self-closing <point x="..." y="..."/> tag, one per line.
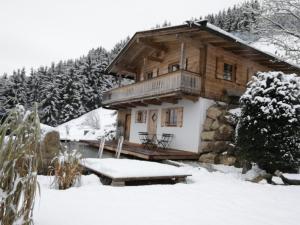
<point x="239" y="18"/>
<point x="268" y="131"/>
<point x="117" y="48"/>
<point x="67" y="88"/>
<point x="279" y="22"/>
<point x="3" y="95"/>
<point x="70" y="95"/>
<point x="15" y="90"/>
<point x="164" y="24"/>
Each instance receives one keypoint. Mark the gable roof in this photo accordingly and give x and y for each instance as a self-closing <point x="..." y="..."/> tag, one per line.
<point x="236" y="44"/>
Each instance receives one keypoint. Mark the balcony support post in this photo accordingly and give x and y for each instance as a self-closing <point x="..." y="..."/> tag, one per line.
<point x="182" y="55"/>
<point x="119" y="80"/>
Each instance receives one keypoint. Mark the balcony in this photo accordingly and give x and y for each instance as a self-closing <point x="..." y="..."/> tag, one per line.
<point x="180" y="82"/>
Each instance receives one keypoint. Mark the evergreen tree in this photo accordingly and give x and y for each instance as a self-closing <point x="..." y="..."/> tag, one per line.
<point x="241" y="17"/>
<point x="33" y="84"/>
<point x="16" y="89"/>
<point x="117" y="48"/>
<point x="3" y="95"/>
<point x="268" y="131"/>
<point x="70" y="96"/>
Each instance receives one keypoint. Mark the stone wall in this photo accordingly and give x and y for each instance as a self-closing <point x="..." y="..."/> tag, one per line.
<point x="49" y="147"/>
<point x="217" y="137"/>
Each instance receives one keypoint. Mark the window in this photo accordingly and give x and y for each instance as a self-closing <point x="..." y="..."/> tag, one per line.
<point x="173" y="67"/>
<point x="228" y="71"/>
<point x="172" y="117"/>
<point x="225" y="70"/>
<point x="149" y="75"/>
<point x="141" y="116"/>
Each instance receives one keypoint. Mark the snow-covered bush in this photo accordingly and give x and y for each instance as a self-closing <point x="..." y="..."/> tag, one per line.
<point x="19" y="154"/>
<point x="67" y="169"/>
<point x="93" y="120"/>
<point x="268" y="131"/>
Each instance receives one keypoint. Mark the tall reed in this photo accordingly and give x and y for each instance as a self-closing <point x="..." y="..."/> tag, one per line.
<point x="19" y="155"/>
<point x="67" y="169"/>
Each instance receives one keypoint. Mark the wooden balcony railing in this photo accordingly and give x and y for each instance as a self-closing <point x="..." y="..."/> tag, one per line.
<point x="178" y="81"/>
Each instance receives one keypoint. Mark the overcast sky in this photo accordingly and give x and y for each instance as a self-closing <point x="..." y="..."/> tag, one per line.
<point x="38" y="32"/>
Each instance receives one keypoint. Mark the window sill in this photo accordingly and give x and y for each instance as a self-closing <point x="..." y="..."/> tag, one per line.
<point x="170" y="125"/>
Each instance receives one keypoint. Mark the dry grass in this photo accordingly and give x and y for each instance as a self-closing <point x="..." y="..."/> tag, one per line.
<point x="67" y="169"/>
<point x="19" y="154"/>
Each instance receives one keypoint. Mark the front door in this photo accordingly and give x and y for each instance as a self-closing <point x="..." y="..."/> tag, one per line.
<point x="127" y="127"/>
<point x="152" y="121"/>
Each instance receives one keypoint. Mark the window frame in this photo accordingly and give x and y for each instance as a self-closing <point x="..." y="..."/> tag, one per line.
<point x="220" y="64"/>
<point x="172" y="117"/>
<point x="171" y="65"/>
<point x="141" y="116"/>
<point x="232" y="71"/>
<point x="147" y="73"/>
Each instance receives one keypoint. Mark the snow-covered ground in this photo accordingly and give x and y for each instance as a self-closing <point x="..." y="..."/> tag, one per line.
<point x="89" y="126"/>
<point x="209" y="198"/>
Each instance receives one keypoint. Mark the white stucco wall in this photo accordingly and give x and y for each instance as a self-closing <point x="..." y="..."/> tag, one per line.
<point x="186" y="137"/>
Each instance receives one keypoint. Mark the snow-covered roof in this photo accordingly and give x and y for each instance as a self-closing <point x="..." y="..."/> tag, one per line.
<point x="236" y="39"/>
<point x="203" y="25"/>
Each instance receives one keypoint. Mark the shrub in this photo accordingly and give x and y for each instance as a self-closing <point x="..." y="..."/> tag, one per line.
<point x="67" y="169"/>
<point x="19" y="154"/>
<point x="268" y="131"/>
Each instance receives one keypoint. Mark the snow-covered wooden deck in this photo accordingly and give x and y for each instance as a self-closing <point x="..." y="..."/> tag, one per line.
<point x="118" y="172"/>
<point x="137" y="151"/>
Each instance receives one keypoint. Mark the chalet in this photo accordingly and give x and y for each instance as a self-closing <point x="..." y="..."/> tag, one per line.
<point x="178" y="73"/>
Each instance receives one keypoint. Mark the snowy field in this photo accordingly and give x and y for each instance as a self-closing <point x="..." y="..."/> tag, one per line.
<point x="89" y="126"/>
<point x="208" y="198"/>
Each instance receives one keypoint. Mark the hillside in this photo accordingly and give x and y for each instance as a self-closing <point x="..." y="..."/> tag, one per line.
<point x="89" y="126"/>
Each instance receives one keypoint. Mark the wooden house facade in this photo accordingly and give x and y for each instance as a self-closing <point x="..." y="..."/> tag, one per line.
<point x="178" y="73"/>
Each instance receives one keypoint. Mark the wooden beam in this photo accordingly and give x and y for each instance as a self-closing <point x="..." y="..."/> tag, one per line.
<point x="152" y="101"/>
<point x="192" y="98"/>
<point x="128" y="105"/>
<point x="249" y="54"/>
<point x="203" y="63"/>
<point x="117" y="106"/>
<point x="136" y="54"/>
<point x="124" y="68"/>
<point x="236" y="48"/>
<point x="188" y="38"/>
<point x="182" y="55"/>
<point x="212" y="40"/>
<point x="119" y="79"/>
<point x="156" y="46"/>
<point x="138" y="103"/>
<point x="223" y="44"/>
<point x="155" y="59"/>
<point x="172" y="100"/>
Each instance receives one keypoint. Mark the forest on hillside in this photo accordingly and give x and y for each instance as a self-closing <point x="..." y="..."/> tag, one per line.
<point x="64" y="90"/>
<point x="67" y="89"/>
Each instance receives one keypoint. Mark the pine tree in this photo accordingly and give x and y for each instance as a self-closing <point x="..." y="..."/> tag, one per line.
<point x="70" y="95"/>
<point x="33" y="84"/>
<point x="16" y="89"/>
<point x="117" y="48"/>
<point x="3" y="95"/>
<point x="239" y="18"/>
<point x="268" y="131"/>
<point x="63" y="91"/>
